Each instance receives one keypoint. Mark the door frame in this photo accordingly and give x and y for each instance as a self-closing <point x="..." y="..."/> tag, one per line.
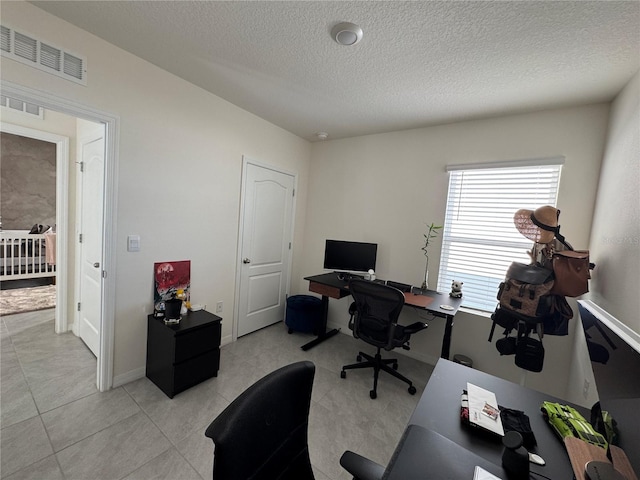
<point x="104" y="375"/>
<point x="62" y="208"/>
<point x="245" y="162"/>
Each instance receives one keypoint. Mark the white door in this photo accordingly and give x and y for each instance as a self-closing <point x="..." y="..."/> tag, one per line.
<point x="265" y="247"/>
<point x="90" y="196"/>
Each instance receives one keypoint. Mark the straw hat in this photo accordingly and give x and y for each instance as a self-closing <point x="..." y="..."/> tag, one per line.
<point x="540" y="225"/>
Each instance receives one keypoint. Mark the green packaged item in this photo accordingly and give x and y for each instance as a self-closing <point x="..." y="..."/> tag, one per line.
<point x="610" y="427"/>
<point x="568" y="422"/>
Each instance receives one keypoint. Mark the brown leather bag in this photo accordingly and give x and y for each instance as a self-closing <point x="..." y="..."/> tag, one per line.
<point x="571" y="271"/>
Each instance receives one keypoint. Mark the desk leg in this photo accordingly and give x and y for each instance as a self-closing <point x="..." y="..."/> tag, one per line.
<point x="446" y="340"/>
<point x="322" y="332"/>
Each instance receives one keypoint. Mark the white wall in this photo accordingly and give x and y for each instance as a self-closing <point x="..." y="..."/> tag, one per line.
<point x="384" y="188"/>
<point x="179" y="172"/>
<point x="615" y="237"/>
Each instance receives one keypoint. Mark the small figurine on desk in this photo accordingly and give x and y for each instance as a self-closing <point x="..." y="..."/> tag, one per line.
<point x="456" y="289"/>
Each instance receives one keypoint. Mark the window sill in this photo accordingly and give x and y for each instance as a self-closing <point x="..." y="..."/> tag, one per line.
<point x="473" y="311"/>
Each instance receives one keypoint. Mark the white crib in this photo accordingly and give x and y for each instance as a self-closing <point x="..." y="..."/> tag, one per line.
<point x="24" y="255"/>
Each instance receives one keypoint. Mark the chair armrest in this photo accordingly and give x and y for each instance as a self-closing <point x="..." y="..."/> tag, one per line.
<point x="415" y="327"/>
<point x="360" y="467"/>
<point x="353" y="311"/>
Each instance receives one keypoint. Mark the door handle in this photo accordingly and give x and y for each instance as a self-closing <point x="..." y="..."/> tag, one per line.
<point x="96" y="265"/>
<point x="246" y="260"/>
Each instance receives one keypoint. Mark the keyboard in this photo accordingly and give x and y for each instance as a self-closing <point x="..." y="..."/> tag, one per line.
<point x="348" y="276"/>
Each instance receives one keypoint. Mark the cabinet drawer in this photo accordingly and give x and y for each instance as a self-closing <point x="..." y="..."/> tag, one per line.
<point x="196" y="370"/>
<point x="196" y="342"/>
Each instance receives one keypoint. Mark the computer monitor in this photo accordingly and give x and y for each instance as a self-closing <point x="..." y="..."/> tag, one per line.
<point x="615" y="361"/>
<point x="344" y="256"/>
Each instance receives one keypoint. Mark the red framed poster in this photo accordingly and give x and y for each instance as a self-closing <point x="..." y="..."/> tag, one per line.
<point x="170" y="277"/>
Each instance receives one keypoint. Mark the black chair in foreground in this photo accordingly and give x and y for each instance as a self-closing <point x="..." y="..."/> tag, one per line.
<point x="374" y="319"/>
<point x="361" y="467"/>
<point x="262" y="434"/>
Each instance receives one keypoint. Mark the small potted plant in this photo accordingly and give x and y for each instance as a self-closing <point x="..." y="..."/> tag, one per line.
<point x="432" y="232"/>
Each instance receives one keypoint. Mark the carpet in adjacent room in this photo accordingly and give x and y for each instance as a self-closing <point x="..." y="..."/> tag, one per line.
<point x="22" y="300"/>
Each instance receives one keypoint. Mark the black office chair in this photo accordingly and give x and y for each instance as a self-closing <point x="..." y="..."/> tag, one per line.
<point x="262" y="435"/>
<point x="374" y="317"/>
<point x="361" y="467"/>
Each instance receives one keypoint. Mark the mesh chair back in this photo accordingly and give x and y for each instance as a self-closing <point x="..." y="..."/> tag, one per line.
<point x="262" y="435"/>
<point x="378" y="307"/>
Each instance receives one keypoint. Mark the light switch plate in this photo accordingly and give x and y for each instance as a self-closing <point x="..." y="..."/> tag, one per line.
<point x="133" y="243"/>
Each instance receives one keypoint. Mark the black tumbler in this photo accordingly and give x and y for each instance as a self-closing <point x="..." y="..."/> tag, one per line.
<point x="172" y="309"/>
<point x="515" y="458"/>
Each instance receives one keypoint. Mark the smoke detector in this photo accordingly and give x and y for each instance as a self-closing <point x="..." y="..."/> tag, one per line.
<point x="322" y="135"/>
<point x="346" y="33"/>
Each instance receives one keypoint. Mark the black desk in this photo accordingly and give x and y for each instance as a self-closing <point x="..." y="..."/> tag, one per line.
<point x="424" y="454"/>
<point x="438" y="410"/>
<point x="330" y="286"/>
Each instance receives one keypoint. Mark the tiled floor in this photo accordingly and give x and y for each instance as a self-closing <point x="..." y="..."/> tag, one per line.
<point x="56" y="425"/>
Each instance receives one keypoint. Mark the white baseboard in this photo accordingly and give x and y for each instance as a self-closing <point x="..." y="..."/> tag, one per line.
<point x="130" y="376"/>
<point x="226" y="340"/>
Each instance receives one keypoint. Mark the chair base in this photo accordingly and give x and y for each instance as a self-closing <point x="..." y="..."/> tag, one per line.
<point x="378" y="363"/>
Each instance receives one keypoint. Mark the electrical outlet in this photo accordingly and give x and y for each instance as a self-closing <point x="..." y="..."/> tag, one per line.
<point x="585" y="388"/>
<point x="219" y="307"/>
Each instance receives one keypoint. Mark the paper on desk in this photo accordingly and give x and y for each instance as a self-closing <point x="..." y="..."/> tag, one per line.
<point x="482" y="474"/>
<point x="479" y="400"/>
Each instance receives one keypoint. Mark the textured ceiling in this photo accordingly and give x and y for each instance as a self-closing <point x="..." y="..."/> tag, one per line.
<point x="419" y="63"/>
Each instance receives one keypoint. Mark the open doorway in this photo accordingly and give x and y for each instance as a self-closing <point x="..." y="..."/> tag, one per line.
<point x="34" y="199"/>
<point x="102" y="300"/>
<point x="28" y="206"/>
<point x="36" y="180"/>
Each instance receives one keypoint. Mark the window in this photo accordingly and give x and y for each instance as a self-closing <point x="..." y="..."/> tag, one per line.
<point x="479" y="239"/>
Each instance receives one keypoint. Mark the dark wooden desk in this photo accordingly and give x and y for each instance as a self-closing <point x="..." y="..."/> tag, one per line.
<point x="439" y="411"/>
<point x="330" y="286"/>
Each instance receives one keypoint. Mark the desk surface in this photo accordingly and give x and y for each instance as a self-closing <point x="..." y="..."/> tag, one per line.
<point x="424" y="454"/>
<point x="429" y="300"/>
<point x="439" y="410"/>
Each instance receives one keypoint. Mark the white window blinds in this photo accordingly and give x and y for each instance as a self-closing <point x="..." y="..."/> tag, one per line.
<point x="479" y="239"/>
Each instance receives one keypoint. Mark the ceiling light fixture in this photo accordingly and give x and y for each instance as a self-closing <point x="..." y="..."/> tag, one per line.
<point x="322" y="135"/>
<point x="346" y="33"/>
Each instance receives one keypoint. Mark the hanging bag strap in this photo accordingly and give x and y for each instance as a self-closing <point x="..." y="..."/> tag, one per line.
<point x="555" y="230"/>
<point x="558" y="235"/>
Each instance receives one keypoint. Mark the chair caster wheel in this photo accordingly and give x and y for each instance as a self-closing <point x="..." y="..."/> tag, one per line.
<point x="395" y="366"/>
<point x="412" y="390"/>
<point x="290" y="331"/>
<point x="373" y="394"/>
<point x="343" y="374"/>
<point x="359" y="358"/>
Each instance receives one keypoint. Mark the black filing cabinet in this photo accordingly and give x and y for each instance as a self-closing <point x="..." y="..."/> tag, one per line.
<point x="183" y="355"/>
